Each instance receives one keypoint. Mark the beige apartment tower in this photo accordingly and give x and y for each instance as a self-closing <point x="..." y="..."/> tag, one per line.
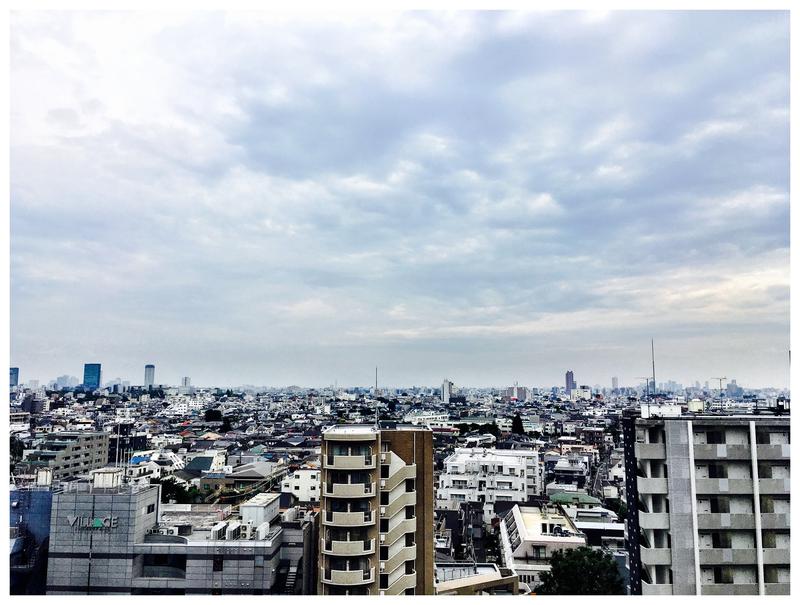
<point x="377" y="503"/>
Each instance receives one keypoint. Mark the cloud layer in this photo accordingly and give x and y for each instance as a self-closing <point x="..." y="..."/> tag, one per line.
<point x="252" y="198"/>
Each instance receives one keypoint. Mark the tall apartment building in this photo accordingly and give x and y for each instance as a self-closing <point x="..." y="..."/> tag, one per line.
<point x="708" y="504"/>
<point x="488" y="476"/>
<point x="149" y="375"/>
<point x="14" y="377"/>
<point x="69" y="453"/>
<point x="377" y="511"/>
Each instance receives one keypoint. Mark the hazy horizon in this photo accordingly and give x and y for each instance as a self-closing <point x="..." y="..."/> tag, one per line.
<point x="486" y="196"/>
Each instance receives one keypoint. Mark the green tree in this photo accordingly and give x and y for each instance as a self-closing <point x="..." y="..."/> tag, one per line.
<point x="17" y="449"/>
<point x="581" y="571"/>
<point x="516" y="425"/>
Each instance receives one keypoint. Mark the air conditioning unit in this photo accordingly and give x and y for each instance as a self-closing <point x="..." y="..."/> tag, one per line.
<point x="383" y="510"/>
<point x="383" y="565"/>
<point x="383" y="537"/>
<point x="383" y="483"/>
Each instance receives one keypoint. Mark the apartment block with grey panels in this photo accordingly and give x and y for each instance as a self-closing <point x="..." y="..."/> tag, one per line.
<point x="708" y="505"/>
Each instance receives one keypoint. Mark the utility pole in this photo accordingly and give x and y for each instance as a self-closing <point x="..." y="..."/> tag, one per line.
<point x="720" y="378"/>
<point x="653" y="357"/>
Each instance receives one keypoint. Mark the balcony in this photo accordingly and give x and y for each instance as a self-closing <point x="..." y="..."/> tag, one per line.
<point x="717" y="451"/>
<point x="348" y="548"/>
<point x="775" y="521"/>
<point x="728" y="556"/>
<point x="776" y="556"/>
<point x="650" y="451"/>
<point x="773" y="452"/>
<point x="348" y="578"/>
<point x="653" y="520"/>
<point x="407" y="553"/>
<point x="405" y="526"/>
<point x="773" y="486"/>
<point x="726" y="521"/>
<point x="407" y="472"/>
<point x="776" y="589"/>
<point x="401" y="584"/>
<point x="723" y="486"/>
<point x="364" y="462"/>
<point x="349" y="490"/>
<point x="656" y="556"/>
<point x="357" y="519"/>
<point x="649" y="590"/>
<point x="729" y="589"/>
<point x="398" y="504"/>
<point x="647" y="485"/>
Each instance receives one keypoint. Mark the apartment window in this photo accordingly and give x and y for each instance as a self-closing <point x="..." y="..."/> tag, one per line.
<point x="409" y="485"/>
<point x="717" y="471"/>
<point x="723" y="575"/>
<point x="218" y="562"/>
<point x="409" y="567"/>
<point x="764" y="470"/>
<point x="720" y="539"/>
<point x="151" y="508"/>
<point x="384" y="526"/>
<point x="384" y="553"/>
<point x="715" y="437"/>
<point x="384" y="498"/>
<point x="384" y="581"/>
<point x="720" y="504"/>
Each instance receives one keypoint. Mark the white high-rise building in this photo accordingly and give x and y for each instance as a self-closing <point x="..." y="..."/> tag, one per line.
<point x="447" y="391"/>
<point x="488" y="476"/>
<point x="186" y="382"/>
<point x="149" y="375"/>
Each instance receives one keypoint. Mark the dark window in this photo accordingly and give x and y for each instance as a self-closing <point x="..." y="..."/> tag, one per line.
<point x="384" y="553"/>
<point x="384" y="498"/>
<point x="409" y="567"/>
<point x="714" y="437"/>
<point x="151" y="508"/>
<point x="384" y="581"/>
<point x="717" y="471"/>
<point x="218" y="562"/>
<point x="384" y="525"/>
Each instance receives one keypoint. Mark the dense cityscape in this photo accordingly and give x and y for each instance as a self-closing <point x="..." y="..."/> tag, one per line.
<point x="162" y="489"/>
<point x="388" y="302"/>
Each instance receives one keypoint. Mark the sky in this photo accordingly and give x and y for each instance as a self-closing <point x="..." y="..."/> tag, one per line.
<point x="491" y="197"/>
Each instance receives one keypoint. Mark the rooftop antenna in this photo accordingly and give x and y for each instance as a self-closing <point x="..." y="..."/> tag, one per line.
<point x="377" y="424"/>
<point x="653" y="357"/>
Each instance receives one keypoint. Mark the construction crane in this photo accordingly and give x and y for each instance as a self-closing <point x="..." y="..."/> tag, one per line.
<point x="720" y="378"/>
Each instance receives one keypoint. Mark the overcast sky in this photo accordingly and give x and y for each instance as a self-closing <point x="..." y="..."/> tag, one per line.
<point x="488" y="197"/>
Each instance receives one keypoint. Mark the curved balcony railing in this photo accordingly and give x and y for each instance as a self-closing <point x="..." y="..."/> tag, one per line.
<point x="349" y="490"/>
<point x="348" y="578"/>
<point x="348" y="548"/>
<point x="358" y="462"/>
<point x="355" y="519"/>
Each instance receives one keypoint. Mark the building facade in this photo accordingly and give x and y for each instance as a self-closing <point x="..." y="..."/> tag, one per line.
<point x="69" y="453"/>
<point x="108" y="537"/>
<point x="14" y="377"/>
<point x="377" y="511"/>
<point x="303" y="484"/>
<point x="92" y="375"/>
<point x="708" y="504"/>
<point x="149" y="375"/>
<point x="488" y="476"/>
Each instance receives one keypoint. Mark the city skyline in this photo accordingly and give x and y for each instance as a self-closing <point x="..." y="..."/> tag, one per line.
<point x="297" y="200"/>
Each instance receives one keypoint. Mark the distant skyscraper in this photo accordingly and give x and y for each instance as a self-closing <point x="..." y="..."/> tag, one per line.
<point x="570" y="380"/>
<point x="186" y="382"/>
<point x="14" y="377"/>
<point x="447" y="391"/>
<point x="149" y="375"/>
<point x="614" y="383"/>
<point x="91" y="375"/>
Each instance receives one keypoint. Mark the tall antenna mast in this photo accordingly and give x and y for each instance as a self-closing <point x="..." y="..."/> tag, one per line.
<point x="653" y="356"/>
